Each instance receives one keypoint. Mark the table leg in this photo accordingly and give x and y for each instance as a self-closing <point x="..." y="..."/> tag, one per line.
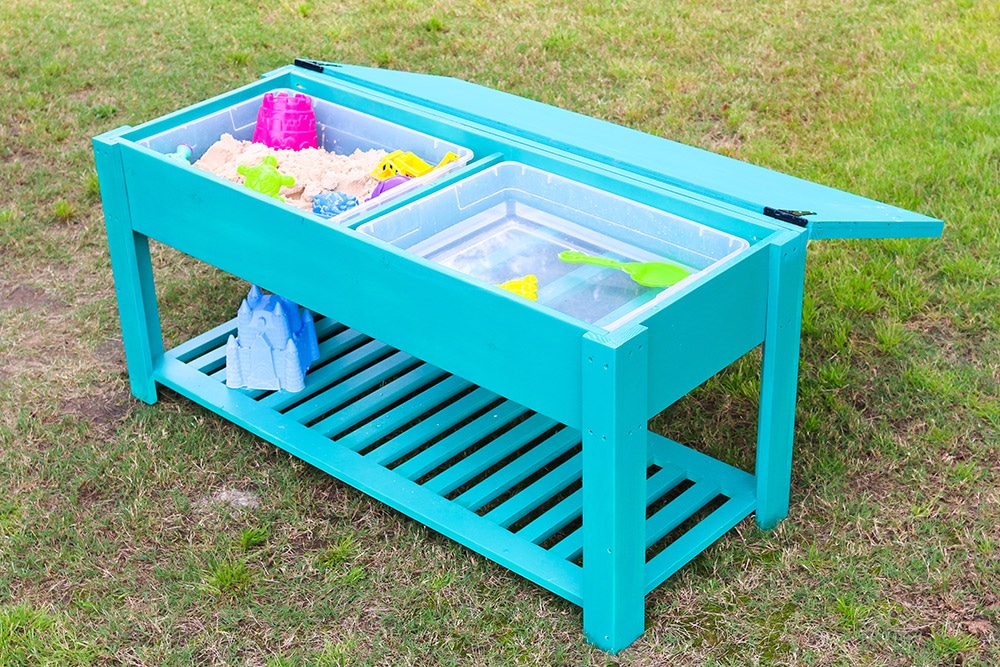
<point x="133" y="272"/>
<point x="614" y="481"/>
<point x="779" y="380"/>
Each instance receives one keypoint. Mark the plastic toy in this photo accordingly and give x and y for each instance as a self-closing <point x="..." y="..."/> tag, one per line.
<point x="265" y="177"/>
<point x="526" y="286"/>
<point x="398" y="163"/>
<point x="333" y="202"/>
<point x="650" y="274"/>
<point x="274" y="345"/>
<point x="182" y="154"/>
<point x="286" y="122"/>
<point x="387" y="184"/>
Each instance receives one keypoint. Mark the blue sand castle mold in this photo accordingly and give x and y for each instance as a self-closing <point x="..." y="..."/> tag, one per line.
<point x="333" y="202"/>
<point x="275" y="343"/>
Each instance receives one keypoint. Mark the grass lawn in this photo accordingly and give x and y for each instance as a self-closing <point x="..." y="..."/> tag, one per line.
<point x="162" y="535"/>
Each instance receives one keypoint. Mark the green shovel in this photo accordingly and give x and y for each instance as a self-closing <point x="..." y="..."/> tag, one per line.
<point x="650" y="274"/>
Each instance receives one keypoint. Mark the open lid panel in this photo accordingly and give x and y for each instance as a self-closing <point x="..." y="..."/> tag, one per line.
<point x="826" y="212"/>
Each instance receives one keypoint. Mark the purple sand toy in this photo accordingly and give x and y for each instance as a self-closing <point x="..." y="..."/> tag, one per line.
<point x="285" y="122"/>
<point x="387" y="184"/>
<point x="333" y="202"/>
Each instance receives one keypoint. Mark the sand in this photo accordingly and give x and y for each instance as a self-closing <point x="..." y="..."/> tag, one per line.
<point x="315" y="170"/>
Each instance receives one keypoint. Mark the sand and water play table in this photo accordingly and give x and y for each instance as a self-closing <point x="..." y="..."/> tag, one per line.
<point x="518" y="428"/>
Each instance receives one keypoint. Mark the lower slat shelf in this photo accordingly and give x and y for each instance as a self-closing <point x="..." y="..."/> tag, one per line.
<point x="480" y="469"/>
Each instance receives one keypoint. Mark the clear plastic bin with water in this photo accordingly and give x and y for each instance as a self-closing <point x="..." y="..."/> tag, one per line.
<point x="512" y="220"/>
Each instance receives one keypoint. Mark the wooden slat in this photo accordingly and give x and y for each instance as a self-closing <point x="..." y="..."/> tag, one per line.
<point x="352" y="386"/>
<point x="199" y="345"/>
<point x="700" y="467"/>
<point x="435" y="512"/>
<point x="490" y="455"/>
<point x="520" y="469"/>
<point x="571" y="546"/>
<point x="431" y="427"/>
<point x="399" y="416"/>
<point x="363" y="409"/>
<point x="537" y="492"/>
<point x="554" y="518"/>
<point x="457" y="442"/>
<point x="338" y="357"/>
<point x="676" y="512"/>
<point x="696" y="540"/>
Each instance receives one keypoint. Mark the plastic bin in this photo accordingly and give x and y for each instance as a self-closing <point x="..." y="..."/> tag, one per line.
<point x="512" y="220"/>
<point x="340" y="130"/>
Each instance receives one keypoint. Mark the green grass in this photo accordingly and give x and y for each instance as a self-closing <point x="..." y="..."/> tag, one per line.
<point x="122" y="540"/>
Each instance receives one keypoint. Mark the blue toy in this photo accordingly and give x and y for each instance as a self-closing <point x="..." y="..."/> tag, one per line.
<point x="275" y="343"/>
<point x="333" y="202"/>
<point x="182" y="154"/>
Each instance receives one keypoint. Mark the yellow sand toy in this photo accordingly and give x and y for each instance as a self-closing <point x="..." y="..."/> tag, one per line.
<point x="526" y="286"/>
<point x="398" y="163"/>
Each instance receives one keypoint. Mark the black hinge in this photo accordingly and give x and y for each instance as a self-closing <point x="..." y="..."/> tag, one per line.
<point x="794" y="217"/>
<point x="313" y="65"/>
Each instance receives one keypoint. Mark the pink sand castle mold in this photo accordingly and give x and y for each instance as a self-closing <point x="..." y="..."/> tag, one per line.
<point x="285" y="122"/>
<point x="274" y="345"/>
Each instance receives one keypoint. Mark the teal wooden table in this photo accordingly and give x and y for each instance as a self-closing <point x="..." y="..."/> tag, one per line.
<point x="510" y="427"/>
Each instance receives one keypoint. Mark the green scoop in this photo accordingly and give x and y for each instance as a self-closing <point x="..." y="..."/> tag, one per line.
<point x="650" y="274"/>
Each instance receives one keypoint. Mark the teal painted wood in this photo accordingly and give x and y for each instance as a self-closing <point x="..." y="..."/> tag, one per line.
<point x="415" y="407"/>
<point x="686" y="547"/>
<point x="703" y="331"/>
<point x="432" y="510"/>
<point x="660" y="484"/>
<point x="571" y="547"/>
<point x="455" y="443"/>
<point x="359" y="383"/>
<point x="700" y="467"/>
<point x="779" y="380"/>
<point x="553" y="519"/>
<point x="679" y="510"/>
<point x="209" y="342"/>
<point x="548" y="485"/>
<point x="461" y="325"/>
<point x="525" y="356"/>
<point x="483" y="459"/>
<point x="615" y="373"/>
<point x="838" y="214"/>
<point x="705" y="327"/>
<point x="133" y="272"/>
<point x="519" y="470"/>
<point x="433" y="426"/>
<point x="359" y="411"/>
<point x="736" y="485"/>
